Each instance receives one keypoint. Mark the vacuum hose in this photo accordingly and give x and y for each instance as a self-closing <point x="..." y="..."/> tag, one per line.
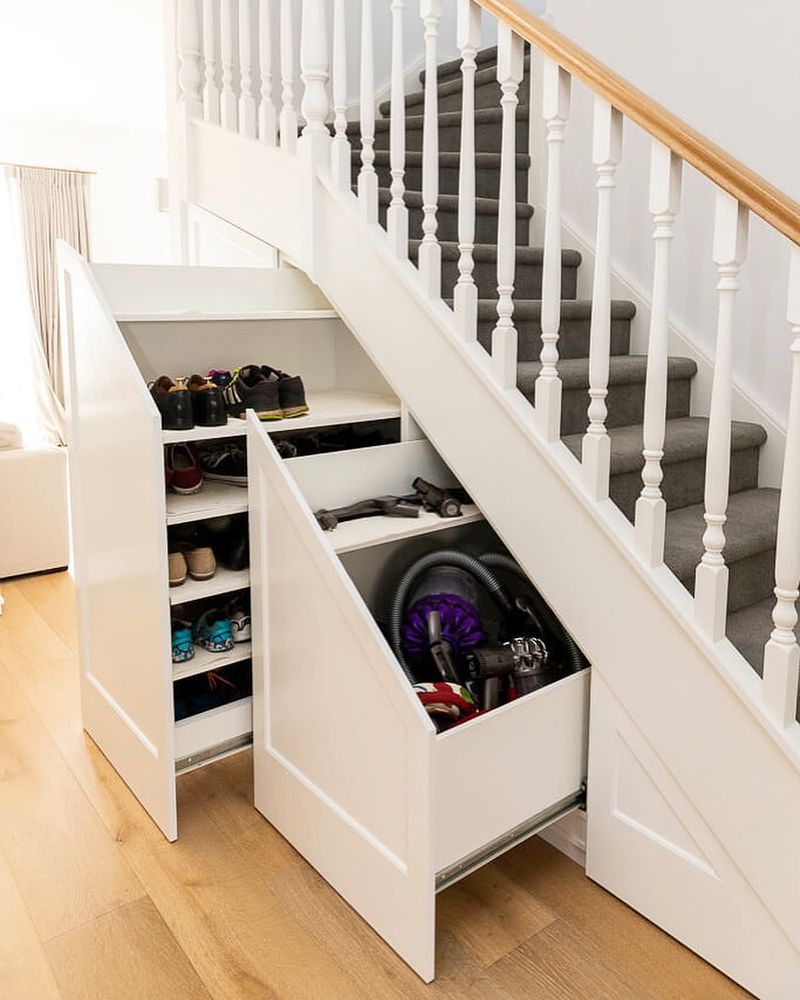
<point x="448" y="557"/>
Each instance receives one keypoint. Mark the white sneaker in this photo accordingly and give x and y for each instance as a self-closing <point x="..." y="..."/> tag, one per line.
<point x="240" y="626"/>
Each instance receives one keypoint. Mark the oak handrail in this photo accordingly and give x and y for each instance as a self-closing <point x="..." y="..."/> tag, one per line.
<point x="728" y="173"/>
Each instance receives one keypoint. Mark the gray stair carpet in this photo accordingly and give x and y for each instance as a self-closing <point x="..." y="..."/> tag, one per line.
<point x="751" y="526"/>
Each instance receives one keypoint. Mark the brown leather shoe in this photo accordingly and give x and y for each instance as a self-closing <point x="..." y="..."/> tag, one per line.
<point x="201" y="563"/>
<point x="177" y="569"/>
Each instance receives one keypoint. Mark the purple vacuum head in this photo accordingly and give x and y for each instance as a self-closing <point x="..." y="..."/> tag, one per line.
<point x="461" y="625"/>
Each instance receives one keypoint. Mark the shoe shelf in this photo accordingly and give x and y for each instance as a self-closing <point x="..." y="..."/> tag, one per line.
<point x="369" y="531"/>
<point x="211" y="500"/>
<point x="203" y="660"/>
<point x="224" y="581"/>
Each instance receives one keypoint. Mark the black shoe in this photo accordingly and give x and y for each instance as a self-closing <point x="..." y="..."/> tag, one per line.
<point x="291" y="392"/>
<point x="251" y="390"/>
<point x="208" y="406"/>
<point x="174" y="402"/>
<point x="225" y="463"/>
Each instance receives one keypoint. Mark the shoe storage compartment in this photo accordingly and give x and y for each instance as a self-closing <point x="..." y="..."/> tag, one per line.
<point x="347" y="763"/>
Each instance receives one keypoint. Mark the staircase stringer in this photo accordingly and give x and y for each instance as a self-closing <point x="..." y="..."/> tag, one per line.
<point x="634" y="623"/>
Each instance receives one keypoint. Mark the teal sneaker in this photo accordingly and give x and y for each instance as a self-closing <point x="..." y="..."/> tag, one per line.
<point x="212" y="631"/>
<point x="182" y="647"/>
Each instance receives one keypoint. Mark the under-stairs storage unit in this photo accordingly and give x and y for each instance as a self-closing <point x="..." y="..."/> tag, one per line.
<point x="348" y="766"/>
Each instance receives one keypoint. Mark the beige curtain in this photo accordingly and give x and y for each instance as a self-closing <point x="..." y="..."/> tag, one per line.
<point x="54" y="205"/>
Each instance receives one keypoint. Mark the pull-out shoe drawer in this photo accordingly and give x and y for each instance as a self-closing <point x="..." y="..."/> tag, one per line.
<point x="348" y="765"/>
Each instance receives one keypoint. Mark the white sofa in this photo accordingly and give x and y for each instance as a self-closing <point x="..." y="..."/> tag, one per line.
<point x="33" y="510"/>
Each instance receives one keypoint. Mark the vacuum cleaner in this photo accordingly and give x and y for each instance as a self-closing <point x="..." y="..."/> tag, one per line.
<point x="460" y="662"/>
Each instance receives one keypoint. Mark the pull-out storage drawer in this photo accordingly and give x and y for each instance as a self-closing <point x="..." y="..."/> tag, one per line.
<point x="348" y="765"/>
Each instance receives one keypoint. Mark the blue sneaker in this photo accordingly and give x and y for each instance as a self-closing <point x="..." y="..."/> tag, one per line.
<point x="212" y="631"/>
<point x="182" y="648"/>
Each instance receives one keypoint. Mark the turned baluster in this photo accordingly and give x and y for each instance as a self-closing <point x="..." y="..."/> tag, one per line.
<point x="288" y="115"/>
<point x="781" y="653"/>
<point x="397" y="213"/>
<point x="711" y="577"/>
<point x="606" y="154"/>
<point x="555" y="111"/>
<point x="266" y="109"/>
<point x="210" y="88"/>
<point x="340" y="147"/>
<point x="651" y="510"/>
<point x="465" y="294"/>
<point x="314" y="72"/>
<point x="430" y="253"/>
<point x="504" y="335"/>
<point x="227" y="109"/>
<point x="247" y="103"/>
<point x="367" y="177"/>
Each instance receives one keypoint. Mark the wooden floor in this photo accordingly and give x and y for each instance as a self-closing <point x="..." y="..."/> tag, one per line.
<point x="94" y="903"/>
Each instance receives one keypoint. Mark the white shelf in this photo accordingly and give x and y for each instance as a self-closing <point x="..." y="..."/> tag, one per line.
<point x="369" y="531"/>
<point x="203" y="660"/>
<point x="327" y="407"/>
<point x="198" y="734"/>
<point x="204" y="316"/>
<point x="212" y="500"/>
<point x="222" y="582"/>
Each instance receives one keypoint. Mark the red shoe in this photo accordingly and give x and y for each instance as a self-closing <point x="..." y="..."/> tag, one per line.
<point x="182" y="468"/>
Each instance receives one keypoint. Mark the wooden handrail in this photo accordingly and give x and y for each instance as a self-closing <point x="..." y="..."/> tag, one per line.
<point x="728" y="173"/>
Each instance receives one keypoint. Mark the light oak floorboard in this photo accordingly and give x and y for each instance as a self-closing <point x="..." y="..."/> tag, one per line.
<point x="231" y="911"/>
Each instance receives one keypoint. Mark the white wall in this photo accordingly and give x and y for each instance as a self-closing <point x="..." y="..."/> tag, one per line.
<point x="82" y="86"/>
<point x="729" y="71"/>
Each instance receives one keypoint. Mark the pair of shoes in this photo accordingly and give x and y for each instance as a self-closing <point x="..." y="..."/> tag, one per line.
<point x="187" y="402"/>
<point x="182" y="472"/>
<point x="225" y="463"/>
<point x="271" y="393"/>
<point x="226" y="536"/>
<point x="212" y="631"/>
<point x="211" y="689"/>
<point x="198" y="563"/>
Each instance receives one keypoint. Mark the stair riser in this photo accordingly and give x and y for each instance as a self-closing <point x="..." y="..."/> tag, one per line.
<point x="485" y="226"/>
<point x="487" y="137"/>
<point x="684" y="482"/>
<point x="573" y="340"/>
<point x="625" y="405"/>
<point x="487" y="181"/>
<point x="749" y="580"/>
<point x="527" y="281"/>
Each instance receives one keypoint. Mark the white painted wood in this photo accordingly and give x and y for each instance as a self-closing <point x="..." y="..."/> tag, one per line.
<point x="606" y="154"/>
<point x="782" y="654"/>
<point x="266" y="108"/>
<point x="651" y="509"/>
<point x="212" y="500"/>
<point x="119" y="547"/>
<point x="203" y="661"/>
<point x="465" y="294"/>
<point x="288" y="115"/>
<point x="227" y="110"/>
<point x="367" y="177"/>
<point x="247" y="102"/>
<point x="316" y="139"/>
<point x="430" y="253"/>
<point x="210" y="88"/>
<point x="189" y="78"/>
<point x="372" y="531"/>
<point x="210" y="729"/>
<point x="504" y="335"/>
<point x="340" y="147"/>
<point x="214" y="242"/>
<point x="397" y="213"/>
<point x="224" y="581"/>
<point x="556" y="83"/>
<point x="711" y="579"/>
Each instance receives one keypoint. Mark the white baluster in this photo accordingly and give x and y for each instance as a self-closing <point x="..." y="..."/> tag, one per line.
<point x="606" y="154"/>
<point x="504" y="335"/>
<point x="227" y="97"/>
<point x="340" y="148"/>
<point x="465" y="294"/>
<point x="651" y="510"/>
<point x="555" y="111"/>
<point x="781" y="653"/>
<point x="266" y="109"/>
<point x="367" y="178"/>
<point x="397" y="214"/>
<point x="430" y="253"/>
<point x="314" y="70"/>
<point x="189" y="59"/>
<point x="190" y="106"/>
<point x="247" y="103"/>
<point x="288" y="115"/>
<point x="210" y="88"/>
<point x="711" y="577"/>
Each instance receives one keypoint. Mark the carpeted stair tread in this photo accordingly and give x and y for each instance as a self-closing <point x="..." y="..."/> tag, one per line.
<point x="625" y="369"/>
<point x="750" y="529"/>
<point x="482" y="58"/>
<point x="413" y="158"/>
<point x="449" y="203"/>
<point x="488" y="251"/>
<point x="447" y="119"/>
<point x="571" y="309"/>
<point x="749" y="628"/>
<point x="450" y="85"/>
<point x="686" y="439"/>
